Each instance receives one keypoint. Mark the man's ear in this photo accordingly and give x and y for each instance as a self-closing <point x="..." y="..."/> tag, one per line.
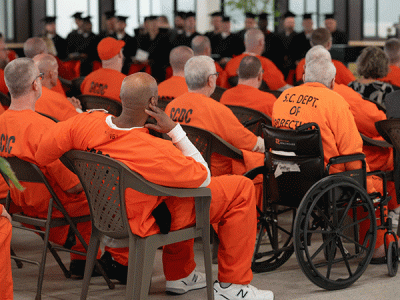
<point x="154" y="101"/>
<point x="333" y="83"/>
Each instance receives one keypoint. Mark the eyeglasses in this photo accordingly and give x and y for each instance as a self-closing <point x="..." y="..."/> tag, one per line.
<point x="216" y="74"/>
<point x="41" y="76"/>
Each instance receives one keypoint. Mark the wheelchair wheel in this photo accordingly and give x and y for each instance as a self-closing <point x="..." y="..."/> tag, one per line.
<point x="331" y="250"/>
<point x="274" y="244"/>
<point x="392" y="259"/>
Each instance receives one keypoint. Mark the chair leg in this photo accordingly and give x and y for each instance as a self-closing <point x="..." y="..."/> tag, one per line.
<point x="67" y="273"/>
<point x="207" y="264"/>
<point x="42" y="264"/>
<point x="139" y="278"/>
<point x="17" y="261"/>
<point x="90" y="261"/>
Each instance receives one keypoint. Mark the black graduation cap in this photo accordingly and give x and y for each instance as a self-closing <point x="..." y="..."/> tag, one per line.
<point x="49" y="20"/>
<point x="87" y="19"/>
<point x="181" y="14"/>
<point x="307" y="16"/>
<point x="329" y="16"/>
<point x="77" y="15"/>
<point x="263" y="16"/>
<point x="288" y="14"/>
<point x="109" y="14"/>
<point x="250" y="15"/>
<point x="190" y="14"/>
<point x="216" y="14"/>
<point x="226" y="19"/>
<point x="122" y="18"/>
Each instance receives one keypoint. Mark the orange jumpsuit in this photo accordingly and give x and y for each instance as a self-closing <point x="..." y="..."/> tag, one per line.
<point x="159" y="161"/>
<point x="172" y="87"/>
<point x="55" y="105"/>
<point x="313" y="102"/>
<point x="103" y="82"/>
<point x="273" y="77"/>
<point x="243" y="95"/>
<point x="393" y="77"/>
<point x="21" y="132"/>
<point x="365" y="115"/>
<point x="197" y="110"/>
<point x="343" y="74"/>
<point x="3" y="87"/>
<point x="6" y="282"/>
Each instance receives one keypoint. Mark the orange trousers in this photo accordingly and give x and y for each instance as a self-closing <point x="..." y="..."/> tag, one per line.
<point x="233" y="211"/>
<point x="6" y="282"/>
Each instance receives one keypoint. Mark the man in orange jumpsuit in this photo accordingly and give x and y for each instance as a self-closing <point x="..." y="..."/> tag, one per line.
<point x="3" y="63"/>
<point x="34" y="46"/>
<point x="196" y="108"/>
<point x="392" y="50"/>
<point x="365" y="115"/>
<point x="323" y="37"/>
<point x="176" y="85"/>
<point x="21" y="130"/>
<point x="247" y="92"/>
<point x="315" y="101"/>
<point x="106" y="81"/>
<point x="6" y="286"/>
<point x="201" y="45"/>
<point x="126" y="138"/>
<point x="254" y="42"/>
<point x="52" y="103"/>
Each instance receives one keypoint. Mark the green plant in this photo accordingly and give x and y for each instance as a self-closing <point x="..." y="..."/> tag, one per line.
<point x="6" y="169"/>
<point x="253" y="6"/>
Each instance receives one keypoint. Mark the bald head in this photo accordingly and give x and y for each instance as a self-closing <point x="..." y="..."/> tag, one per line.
<point x="317" y="53"/>
<point x="321" y="36"/>
<point x="201" y="45"/>
<point x="178" y="58"/>
<point x="137" y="89"/>
<point x="253" y="39"/>
<point x="34" y="46"/>
<point x="250" y="67"/>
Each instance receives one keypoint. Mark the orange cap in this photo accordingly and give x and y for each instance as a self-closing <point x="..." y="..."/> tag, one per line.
<point x="109" y="47"/>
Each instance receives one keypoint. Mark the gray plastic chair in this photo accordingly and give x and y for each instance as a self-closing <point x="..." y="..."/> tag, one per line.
<point x="29" y="172"/>
<point x="250" y="118"/>
<point x="105" y="181"/>
<point x="97" y="102"/>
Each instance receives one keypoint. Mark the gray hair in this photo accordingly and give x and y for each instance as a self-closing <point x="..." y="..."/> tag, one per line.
<point x="34" y="46"/>
<point x="19" y="75"/>
<point x="197" y="71"/>
<point x="321" y="71"/>
<point x="318" y="53"/>
<point x="252" y="37"/>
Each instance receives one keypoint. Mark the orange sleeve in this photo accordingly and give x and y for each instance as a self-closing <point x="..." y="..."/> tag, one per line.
<point x="300" y="70"/>
<point x="3" y="86"/>
<point x="343" y="74"/>
<point x="272" y="75"/>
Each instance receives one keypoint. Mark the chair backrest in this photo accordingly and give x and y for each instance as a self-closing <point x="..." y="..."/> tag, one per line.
<point x="49" y="117"/>
<point x="98" y="102"/>
<point x="392" y="103"/>
<point x="367" y="141"/>
<point x="217" y="94"/>
<point x="301" y="164"/>
<point x="163" y="101"/>
<point x="105" y="180"/>
<point x="390" y="131"/>
<point x="28" y="172"/>
<point x="250" y="118"/>
<point x="5" y="100"/>
<point x="208" y="143"/>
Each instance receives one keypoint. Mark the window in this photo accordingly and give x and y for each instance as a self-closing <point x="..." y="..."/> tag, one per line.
<point x="379" y="18"/>
<point x="6" y="19"/>
<point x="318" y="9"/>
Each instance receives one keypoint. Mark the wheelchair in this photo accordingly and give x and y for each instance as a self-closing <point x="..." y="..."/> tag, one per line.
<point x="317" y="215"/>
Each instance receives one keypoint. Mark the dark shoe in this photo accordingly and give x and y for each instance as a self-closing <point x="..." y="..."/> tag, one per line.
<point x="77" y="269"/>
<point x="114" y="269"/>
<point x="378" y="261"/>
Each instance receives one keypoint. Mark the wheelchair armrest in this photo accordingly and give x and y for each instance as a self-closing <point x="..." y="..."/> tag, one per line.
<point x="346" y="158"/>
<point x="256" y="171"/>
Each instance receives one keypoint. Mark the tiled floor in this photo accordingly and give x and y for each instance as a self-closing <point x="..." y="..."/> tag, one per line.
<point x="288" y="282"/>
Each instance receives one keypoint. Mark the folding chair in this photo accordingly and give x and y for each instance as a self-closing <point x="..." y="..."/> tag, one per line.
<point x="29" y="172"/>
<point x="98" y="102"/>
<point x="163" y="101"/>
<point x="105" y="181"/>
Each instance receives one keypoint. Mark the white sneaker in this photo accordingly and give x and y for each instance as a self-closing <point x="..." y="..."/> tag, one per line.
<point x="394" y="215"/>
<point x="240" y="292"/>
<point x="194" y="281"/>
